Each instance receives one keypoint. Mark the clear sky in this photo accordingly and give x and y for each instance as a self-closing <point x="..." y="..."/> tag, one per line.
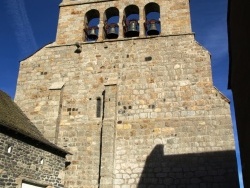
<point x="27" y="25"/>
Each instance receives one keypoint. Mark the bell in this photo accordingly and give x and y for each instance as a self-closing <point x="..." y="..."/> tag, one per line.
<point x="112" y="34"/>
<point x="92" y="34"/>
<point x="132" y="30"/>
<point x="152" y="29"/>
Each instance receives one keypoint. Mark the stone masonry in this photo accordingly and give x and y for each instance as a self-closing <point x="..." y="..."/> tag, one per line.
<point x="24" y="164"/>
<point x="25" y="155"/>
<point x="134" y="112"/>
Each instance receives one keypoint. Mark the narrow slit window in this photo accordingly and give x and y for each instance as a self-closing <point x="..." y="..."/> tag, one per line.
<point x="9" y="148"/>
<point x="41" y="161"/>
<point x="98" y="107"/>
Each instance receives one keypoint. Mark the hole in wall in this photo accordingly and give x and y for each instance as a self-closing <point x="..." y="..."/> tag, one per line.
<point x="9" y="149"/>
<point x="41" y="161"/>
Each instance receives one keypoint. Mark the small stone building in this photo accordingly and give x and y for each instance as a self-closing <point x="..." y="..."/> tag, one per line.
<point x="128" y="91"/>
<point x="26" y="157"/>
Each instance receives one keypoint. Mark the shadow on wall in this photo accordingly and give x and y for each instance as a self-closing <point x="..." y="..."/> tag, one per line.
<point x="212" y="169"/>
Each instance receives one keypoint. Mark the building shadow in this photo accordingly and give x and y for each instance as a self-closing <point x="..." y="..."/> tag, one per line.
<point x="201" y="170"/>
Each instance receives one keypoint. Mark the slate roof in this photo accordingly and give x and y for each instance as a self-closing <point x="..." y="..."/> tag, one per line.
<point x="12" y="117"/>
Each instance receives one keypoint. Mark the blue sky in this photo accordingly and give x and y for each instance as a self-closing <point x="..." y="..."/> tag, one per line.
<point x="27" y="25"/>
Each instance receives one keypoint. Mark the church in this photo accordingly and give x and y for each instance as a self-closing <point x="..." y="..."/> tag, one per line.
<point x="128" y="91"/>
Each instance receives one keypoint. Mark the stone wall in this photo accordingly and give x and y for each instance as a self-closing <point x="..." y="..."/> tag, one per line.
<point x="164" y="94"/>
<point x="174" y="17"/>
<point x="129" y="106"/>
<point x="175" y="152"/>
<point x="23" y="164"/>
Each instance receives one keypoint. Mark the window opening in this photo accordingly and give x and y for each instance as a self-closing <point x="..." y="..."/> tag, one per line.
<point x="41" y="161"/>
<point x="92" y="19"/>
<point x="98" y="107"/>
<point x="111" y="27"/>
<point x="130" y="21"/>
<point x="31" y="185"/>
<point x="9" y="148"/>
<point x="152" y="23"/>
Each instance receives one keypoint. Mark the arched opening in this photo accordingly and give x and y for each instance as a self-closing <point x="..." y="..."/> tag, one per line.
<point x="152" y="23"/>
<point x="92" y="19"/>
<point x="111" y="27"/>
<point x="130" y="21"/>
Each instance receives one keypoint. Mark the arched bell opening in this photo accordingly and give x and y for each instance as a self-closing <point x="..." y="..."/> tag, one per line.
<point x="111" y="21"/>
<point x="152" y="23"/>
<point x="130" y="21"/>
<point x="92" y="19"/>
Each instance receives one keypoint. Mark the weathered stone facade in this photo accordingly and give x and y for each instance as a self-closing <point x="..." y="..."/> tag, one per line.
<point x="23" y="164"/>
<point x="25" y="155"/>
<point x="134" y="112"/>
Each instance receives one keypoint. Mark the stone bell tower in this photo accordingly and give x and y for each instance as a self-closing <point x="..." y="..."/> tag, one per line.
<point x="128" y="91"/>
